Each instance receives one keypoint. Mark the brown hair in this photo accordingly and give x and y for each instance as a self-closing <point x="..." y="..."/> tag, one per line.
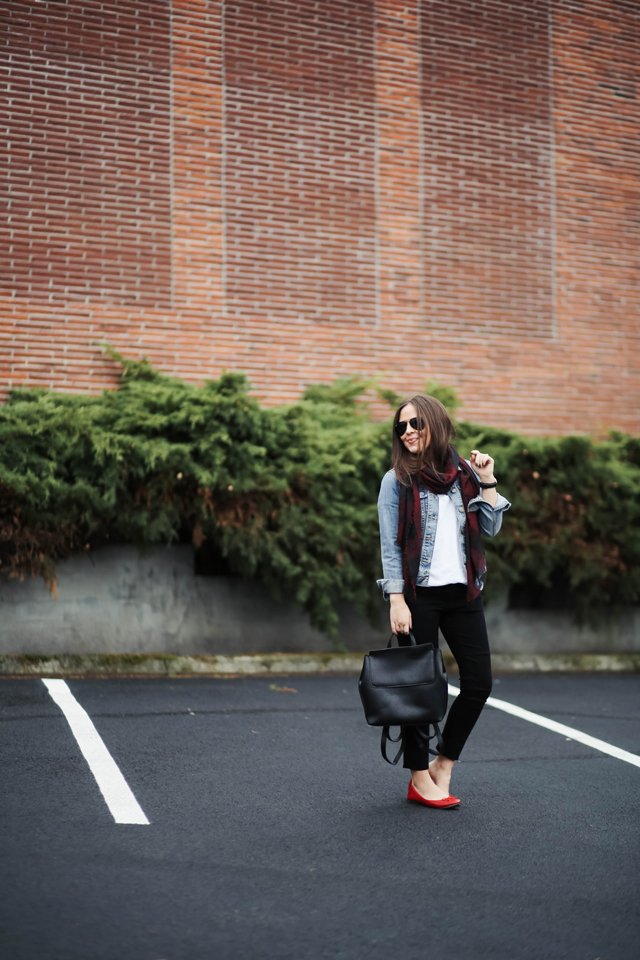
<point x="441" y="430"/>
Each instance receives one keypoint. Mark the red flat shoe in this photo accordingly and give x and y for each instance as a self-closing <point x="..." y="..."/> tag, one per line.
<point x="418" y="798"/>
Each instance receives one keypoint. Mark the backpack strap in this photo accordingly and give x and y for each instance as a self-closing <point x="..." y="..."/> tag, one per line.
<point x="383" y="745"/>
<point x="428" y="736"/>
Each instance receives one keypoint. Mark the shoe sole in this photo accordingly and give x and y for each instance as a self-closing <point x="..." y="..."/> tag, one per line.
<point x="449" y="806"/>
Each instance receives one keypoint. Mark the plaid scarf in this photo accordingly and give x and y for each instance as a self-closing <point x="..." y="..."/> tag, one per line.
<point x="410" y="523"/>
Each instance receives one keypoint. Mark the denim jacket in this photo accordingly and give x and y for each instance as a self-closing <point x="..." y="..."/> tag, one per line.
<point x="490" y="521"/>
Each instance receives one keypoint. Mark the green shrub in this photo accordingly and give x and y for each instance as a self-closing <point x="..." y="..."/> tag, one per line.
<point x="575" y="513"/>
<point x="288" y="494"/>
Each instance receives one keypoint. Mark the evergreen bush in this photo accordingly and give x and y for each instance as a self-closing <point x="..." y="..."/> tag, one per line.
<point x="287" y="495"/>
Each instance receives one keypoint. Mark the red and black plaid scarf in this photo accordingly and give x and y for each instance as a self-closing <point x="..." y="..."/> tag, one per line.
<point x="410" y="523"/>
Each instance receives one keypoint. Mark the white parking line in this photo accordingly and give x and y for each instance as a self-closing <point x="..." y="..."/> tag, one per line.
<point x="561" y="728"/>
<point x="113" y="786"/>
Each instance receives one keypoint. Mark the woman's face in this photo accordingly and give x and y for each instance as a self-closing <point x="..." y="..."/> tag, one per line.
<point x="414" y="440"/>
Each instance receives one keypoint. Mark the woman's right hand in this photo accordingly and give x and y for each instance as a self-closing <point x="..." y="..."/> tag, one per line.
<point x="400" y="614"/>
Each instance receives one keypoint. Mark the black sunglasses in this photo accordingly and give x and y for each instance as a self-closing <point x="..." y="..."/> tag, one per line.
<point x="414" y="423"/>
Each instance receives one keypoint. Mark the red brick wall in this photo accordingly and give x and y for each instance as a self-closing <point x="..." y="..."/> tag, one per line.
<point x="487" y="167"/>
<point x="300" y="161"/>
<point x="88" y="152"/>
<point x="302" y="191"/>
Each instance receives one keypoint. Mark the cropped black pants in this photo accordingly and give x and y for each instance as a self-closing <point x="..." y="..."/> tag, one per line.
<point x="463" y="627"/>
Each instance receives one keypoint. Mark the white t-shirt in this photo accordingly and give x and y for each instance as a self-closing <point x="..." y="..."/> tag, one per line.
<point x="447" y="563"/>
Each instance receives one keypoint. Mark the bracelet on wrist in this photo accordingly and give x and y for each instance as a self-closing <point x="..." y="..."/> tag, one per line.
<point x="487" y="486"/>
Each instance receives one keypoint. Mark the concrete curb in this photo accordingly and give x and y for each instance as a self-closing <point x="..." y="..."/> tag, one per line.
<point x="272" y="664"/>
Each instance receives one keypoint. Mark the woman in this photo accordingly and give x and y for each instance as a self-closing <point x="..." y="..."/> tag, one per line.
<point x="433" y="507"/>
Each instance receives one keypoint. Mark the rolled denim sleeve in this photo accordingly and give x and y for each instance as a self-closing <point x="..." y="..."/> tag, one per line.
<point x="393" y="581"/>
<point x="490" y="517"/>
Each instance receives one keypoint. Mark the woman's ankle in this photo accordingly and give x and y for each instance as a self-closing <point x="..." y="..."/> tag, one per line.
<point x="444" y="763"/>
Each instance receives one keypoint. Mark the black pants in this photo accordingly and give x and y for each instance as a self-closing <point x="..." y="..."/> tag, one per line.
<point x="463" y="627"/>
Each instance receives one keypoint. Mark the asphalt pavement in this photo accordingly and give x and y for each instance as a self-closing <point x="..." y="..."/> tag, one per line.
<point x="277" y="831"/>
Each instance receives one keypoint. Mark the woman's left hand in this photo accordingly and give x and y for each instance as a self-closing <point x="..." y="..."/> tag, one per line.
<point x="483" y="464"/>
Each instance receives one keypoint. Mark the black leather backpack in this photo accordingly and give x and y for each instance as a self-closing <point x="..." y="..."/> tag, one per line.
<point x="404" y="686"/>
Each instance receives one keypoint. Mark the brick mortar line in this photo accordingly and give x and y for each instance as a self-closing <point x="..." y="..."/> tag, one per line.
<point x="223" y="157"/>
<point x="552" y="175"/>
<point x="172" y="232"/>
